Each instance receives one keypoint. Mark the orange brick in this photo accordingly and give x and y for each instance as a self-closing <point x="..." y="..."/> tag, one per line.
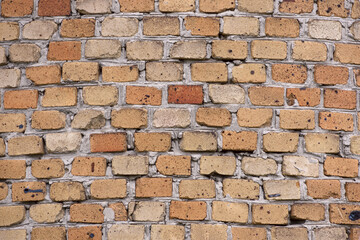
<point x="54" y="8"/>
<point x="259" y="117"/>
<point x="21" y="99"/>
<point x="323" y="189"/>
<point x="48" y="168"/>
<point x="352" y="192"/>
<point x="154" y="142"/>
<point x="347" y="53"/>
<point x="129" y="118"/>
<point x="86" y="213"/>
<point x="202" y="26"/>
<point x="28" y="191"/>
<point x="344" y="213"/>
<point x="59" y="97"/>
<point x="289" y="73"/>
<point x="336" y="121"/>
<point x="331" y="75"/>
<point x="192" y="189"/>
<point x="305" y="97"/>
<point x="62" y="51"/>
<point x="174" y="165"/>
<point x="297" y="119"/>
<point x="77" y="233"/>
<point x="211" y="6"/>
<point x="213" y="117"/>
<point x="43" y="75"/>
<point x="12" y="169"/>
<point x="239" y="141"/>
<point x="188" y="210"/>
<point x="185" y="94"/>
<point x="77" y="28"/>
<point x="139" y="6"/>
<point x="282" y="27"/>
<point x="143" y="95"/>
<point x="153" y="187"/>
<point x="88" y="166"/>
<point x="297" y="6"/>
<point x="44" y="233"/>
<point x="244" y="233"/>
<point x="336" y="98"/>
<point x="311" y="211"/>
<point x="266" y="96"/>
<point x="108" y="142"/>
<point x="16" y="8"/>
<point x="270" y="214"/>
<point x="120" y="211"/>
<point x="342" y="167"/>
<point x="120" y="73"/>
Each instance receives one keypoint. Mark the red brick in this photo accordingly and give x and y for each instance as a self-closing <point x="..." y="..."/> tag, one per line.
<point x="305" y="97"/>
<point x="62" y="51"/>
<point x="108" y="142"/>
<point x="54" y="8"/>
<point x="21" y="99"/>
<point x="185" y="94"/>
<point x="336" y="98"/>
<point x="16" y="8"/>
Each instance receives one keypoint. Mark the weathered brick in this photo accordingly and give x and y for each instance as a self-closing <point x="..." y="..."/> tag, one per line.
<point x="88" y="166"/>
<point x="120" y="73"/>
<point x="105" y="48"/>
<point x="213" y="117"/>
<point x="12" y="122"/>
<point x="54" y="8"/>
<point x="322" y="143"/>
<point x="185" y="94"/>
<point x="331" y="75"/>
<point x="336" y="98"/>
<point x="163" y="232"/>
<point x="43" y="75"/>
<point x="9" y="31"/>
<point x="161" y="26"/>
<point x="202" y="26"/>
<point x="270" y="214"/>
<point x="108" y="142"/>
<point x="256" y="6"/>
<point x="342" y="167"/>
<point x="309" y="51"/>
<point x="241" y="189"/>
<point x="119" y="210"/>
<point x="300" y="166"/>
<point x="24" y="53"/>
<point x="222" y="165"/>
<point x="198" y="142"/>
<point x="146" y="211"/>
<point x="226" y="94"/>
<point x="304" y="97"/>
<point x="11" y="215"/>
<point x="249" y="73"/>
<point x="311" y="211"/>
<point x="209" y="72"/>
<point x="76" y="233"/>
<point x="355" y="145"/>
<point x="171" y="118"/>
<point x="86" y="213"/>
<point x="129" y="118"/>
<point x="77" y="28"/>
<point x="336" y="121"/>
<point x="211" y="231"/>
<point x="62" y="51"/>
<point x="12" y="169"/>
<point x="2" y="147"/>
<point x="355" y="10"/>
<point x="3" y="59"/>
<point x="144" y="50"/>
<point x="13" y="234"/>
<point x="48" y="168"/>
<point x="210" y="6"/>
<point x="253" y="118"/>
<point x="323" y="189"/>
<point x="4" y="189"/>
<point x="93" y="7"/>
<point x="297" y="119"/>
<point x="21" y="99"/>
<point x="289" y="73"/>
<point x="28" y="191"/>
<point x="174" y="165"/>
<point x="258" y="166"/>
<point x="282" y="27"/>
<point x="280" y="142"/>
<point x="25" y="145"/>
<point x="63" y="142"/>
<point x="230" y="212"/>
<point x="320" y="29"/>
<point x="332" y="8"/>
<point x="266" y="96"/>
<point x="352" y="191"/>
<point x="16" y="8"/>
<point x="188" y="50"/>
<point x="247" y="233"/>
<point x="355" y="30"/>
<point x="343" y="213"/>
<point x="347" y="53"/>
<point x="153" y="187"/>
<point x="39" y="29"/>
<point x="266" y="49"/>
<point x="141" y="6"/>
<point x="44" y="233"/>
<point x="134" y="232"/>
<point x="80" y="71"/>
<point x="248" y="26"/>
<point x="192" y="189"/>
<point x="119" y="27"/>
<point x="108" y="189"/>
<point x="228" y="49"/>
<point x="130" y="165"/>
<point x="330" y="233"/>
<point x="67" y="191"/>
<point x="164" y="72"/>
<point x="282" y="189"/>
<point x="354" y="233"/>
<point x="88" y="119"/>
<point x="239" y="141"/>
<point x="101" y="95"/>
<point x="48" y="120"/>
<point x="176" y="6"/>
<point x="47" y="213"/>
<point x="297" y="6"/>
<point x="152" y="142"/>
<point x="140" y="95"/>
<point x="283" y="233"/>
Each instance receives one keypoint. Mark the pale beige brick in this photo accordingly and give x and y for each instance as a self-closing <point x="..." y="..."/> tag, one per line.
<point x="241" y="189"/>
<point x="209" y="72"/>
<point x="144" y="50"/>
<point x="210" y="231"/>
<point x="171" y="118"/>
<point x="80" y="71"/>
<point x="280" y="142"/>
<point x="124" y="232"/>
<point x="300" y="166"/>
<point x="254" y="118"/>
<point x="130" y="165"/>
<point x="192" y="189"/>
<point x="88" y="119"/>
<point x="146" y="211"/>
<point x="108" y="189"/>
<point x="93" y="7"/>
<point x="249" y="73"/>
<point x="321" y="29"/>
<point x="256" y="6"/>
<point x="11" y="215"/>
<point x="249" y="26"/>
<point x="67" y="191"/>
<point x="198" y="142"/>
<point x="188" y="50"/>
<point x="3" y="59"/>
<point x="164" y="71"/>
<point x="226" y="94"/>
<point x="13" y="234"/>
<point x="47" y="213"/>
<point x="230" y="212"/>
<point x="10" y="77"/>
<point x="26" y="145"/>
<point x="266" y="49"/>
<point x="270" y="214"/>
<point x="309" y="51"/>
<point x="63" y="142"/>
<point x="258" y="166"/>
<point x="39" y="29"/>
<point x="100" y="95"/>
<point x="12" y="122"/>
<point x="322" y="143"/>
<point x="9" y="31"/>
<point x="330" y="233"/>
<point x="165" y="232"/>
<point x="284" y="233"/>
<point x="129" y="118"/>
<point x="119" y="27"/>
<point x="282" y="189"/>
<point x="102" y="49"/>
<point x="229" y="49"/>
<point x="24" y="52"/>
<point x="223" y="165"/>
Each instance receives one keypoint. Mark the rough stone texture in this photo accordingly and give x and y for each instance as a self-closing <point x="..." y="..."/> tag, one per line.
<point x="198" y="142"/>
<point x="39" y="30"/>
<point x="300" y="166"/>
<point x="171" y="118"/>
<point x="67" y="191"/>
<point x="258" y="166"/>
<point x="88" y="119"/>
<point x="24" y="53"/>
<point x="130" y="165"/>
<point x="146" y="211"/>
<point x="102" y="49"/>
<point x="325" y="29"/>
<point x="63" y="142"/>
<point x="93" y="6"/>
<point x="188" y="50"/>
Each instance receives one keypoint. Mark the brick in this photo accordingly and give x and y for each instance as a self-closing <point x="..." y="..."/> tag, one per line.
<point x="2" y="147"/>
<point x="25" y="145"/>
<point x="289" y="73"/>
<point x="249" y="73"/>
<point x="108" y="189"/>
<point x="77" y="28"/>
<point x="239" y="141"/>
<point x="16" y="8"/>
<point x="282" y="27"/>
<point x="342" y="167"/>
<point x="331" y="75"/>
<point x="280" y="142"/>
<point x="139" y="95"/>
<point x="24" y="53"/>
<point x="76" y="233"/>
<point x="300" y="166"/>
<point x="105" y="48"/>
<point x="11" y="215"/>
<point x="129" y="118"/>
<point x="176" y="6"/>
<point x="355" y="145"/>
<point x="86" y="213"/>
<point x="343" y="213"/>
<point x="119" y="210"/>
<point x="88" y="119"/>
<point x="332" y="8"/>
<point x="245" y="233"/>
<point x="153" y="187"/>
<point x="134" y="232"/>
<point x="297" y="6"/>
<point x="62" y="51"/>
<point x="120" y="73"/>
<point x="88" y="166"/>
<point x="12" y="122"/>
<point x="119" y="27"/>
<point x="322" y="143"/>
<point x="141" y="6"/>
<point x="43" y="233"/>
<point x="354" y="233"/>
<point x="144" y="50"/>
<point x="320" y="29"/>
<point x="270" y="214"/>
<point x="241" y="189"/>
<point x="188" y="50"/>
<point x="213" y="117"/>
<point x="311" y="211"/>
<point x="297" y="119"/>
<point x="226" y="94"/>
<point x="147" y="211"/>
<point x="355" y="10"/>
<point x="12" y="169"/>
<point x="248" y="26"/>
<point x="43" y="75"/>
<point x="256" y="6"/>
<point x="161" y="26"/>
<point x="28" y="191"/>
<point x="347" y="53"/>
<point x="3" y="59"/>
<point x="54" y="8"/>
<point x="210" y="6"/>
<point x="323" y="189"/>
<point x="163" y="232"/>
<point x="266" y="96"/>
<point x="80" y="71"/>
<point x="67" y="191"/>
<point x="355" y="30"/>
<point x="164" y="71"/>
<point x="108" y="142"/>
<point x="254" y="118"/>
<point x="230" y="212"/>
<point x="48" y="168"/>
<point x="304" y="97"/>
<point x="222" y="165"/>
<point x="202" y="26"/>
<point x="309" y="51"/>
<point x="336" y="121"/>
<point x="282" y="189"/>
<point x="185" y="94"/>
<point x="63" y="142"/>
<point x="193" y="189"/>
<point x="48" y="120"/>
<point x="228" y="49"/>
<point x="21" y="99"/>
<point x="258" y="166"/>
<point x="152" y="142"/>
<point x="101" y="95"/>
<point x="9" y="31"/>
<point x="3" y="190"/>
<point x="39" y="29"/>
<point x="93" y="7"/>
<point x="198" y="142"/>
<point x="130" y="165"/>
<point x="283" y="233"/>
<point x="174" y="165"/>
<point x="211" y="231"/>
<point x="48" y="213"/>
<point x="352" y="192"/>
<point x="15" y="234"/>
<point x="209" y="72"/>
<point x="330" y="233"/>
<point x="266" y="49"/>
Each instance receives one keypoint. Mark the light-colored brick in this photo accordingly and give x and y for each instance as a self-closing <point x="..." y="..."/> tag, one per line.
<point x="47" y="213"/>
<point x="230" y="212"/>
<point x="176" y="6"/>
<point x="241" y="189"/>
<point x="123" y="232"/>
<point x="209" y="231"/>
<point x="256" y="6"/>
<point x="144" y="50"/>
<point x="322" y="143"/>
<point x="139" y="95"/>
<point x="152" y="142"/>
<point x="129" y="118"/>
<point x="9" y="31"/>
<point x="330" y="233"/>
<point x="67" y="191"/>
<point x="12" y="169"/>
<point x="266" y="96"/>
<point x="342" y="167"/>
<point x="3" y="59"/>
<point x="171" y="118"/>
<point x="48" y="120"/>
<point x="309" y="51"/>
<point x="12" y="122"/>
<point x="88" y="119"/>
<point x="188" y="50"/>
<point x="174" y="165"/>
<point x="282" y="189"/>
<point x="249" y="73"/>
<point x="163" y="232"/>
<point x="193" y="189"/>
<point x="140" y="6"/>
<point x="223" y="165"/>
<point x="26" y="145"/>
<point x="164" y="71"/>
<point x="13" y="234"/>
<point x="44" y="233"/>
<point x="24" y="53"/>
<point x="11" y="215"/>
<point x="297" y="119"/>
<point x="226" y="94"/>
<point x="228" y="49"/>
<point x="86" y="213"/>
<point x="93" y="7"/>
<point x="254" y="118"/>
<point x="308" y="211"/>
<point x="39" y="29"/>
<point x="59" y="97"/>
<point x="300" y="166"/>
<point x="283" y="233"/>
<point x="266" y="49"/>
<point x="120" y="211"/>
<point x="63" y="142"/>
<point x="120" y="73"/>
<point x="48" y="168"/>
<point x="355" y="30"/>
<point x="88" y="166"/>
<point x="282" y="27"/>
<point x="323" y="189"/>
<point x="108" y="189"/>
<point x="202" y="26"/>
<point x="247" y="233"/>
<point x="101" y="95"/>
<point x="355" y="145"/>
<point x="280" y="142"/>
<point x="321" y="29"/>
<point x="119" y="27"/>
<point x="161" y="26"/>
<point x="77" y="28"/>
<point x="80" y="71"/>
<point x="4" y="190"/>
<point x="198" y="142"/>
<point x="209" y="72"/>
<point x="28" y="191"/>
<point x="130" y="165"/>
<point x="102" y="49"/>
<point x="248" y="26"/>
<point x="239" y="141"/>
<point x="43" y="75"/>
<point x="153" y="187"/>
<point x="258" y="166"/>
<point x="146" y="211"/>
<point x="210" y="6"/>
<point x="270" y="214"/>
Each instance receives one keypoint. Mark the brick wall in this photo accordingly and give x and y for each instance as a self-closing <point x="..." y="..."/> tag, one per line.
<point x="179" y="119"/>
